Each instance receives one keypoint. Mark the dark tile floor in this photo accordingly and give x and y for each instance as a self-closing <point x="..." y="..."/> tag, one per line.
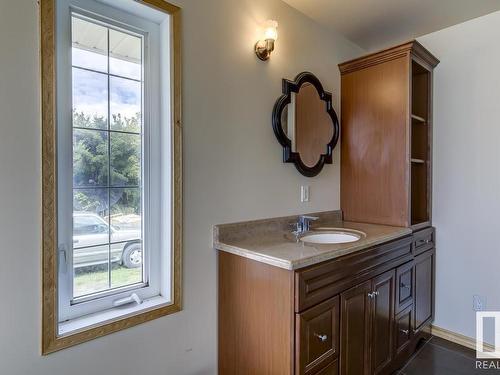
<point x="441" y="357"/>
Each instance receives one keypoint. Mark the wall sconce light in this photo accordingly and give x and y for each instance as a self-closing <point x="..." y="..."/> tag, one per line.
<point x="263" y="48"/>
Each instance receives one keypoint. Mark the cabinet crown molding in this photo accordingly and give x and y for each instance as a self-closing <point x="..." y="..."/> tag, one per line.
<point x="406" y="49"/>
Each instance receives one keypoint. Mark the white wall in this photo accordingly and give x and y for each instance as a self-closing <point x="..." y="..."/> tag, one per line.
<point x="233" y="171"/>
<point x="466" y="191"/>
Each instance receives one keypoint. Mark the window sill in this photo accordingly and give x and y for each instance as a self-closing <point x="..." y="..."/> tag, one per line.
<point x="94" y="320"/>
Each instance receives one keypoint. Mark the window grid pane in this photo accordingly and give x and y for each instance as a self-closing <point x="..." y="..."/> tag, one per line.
<point x="107" y="159"/>
<point x="90" y="95"/>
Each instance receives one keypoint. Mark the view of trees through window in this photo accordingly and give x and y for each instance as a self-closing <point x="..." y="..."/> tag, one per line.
<point x="107" y="85"/>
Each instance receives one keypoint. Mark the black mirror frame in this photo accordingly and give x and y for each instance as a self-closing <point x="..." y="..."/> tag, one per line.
<point x="288" y="155"/>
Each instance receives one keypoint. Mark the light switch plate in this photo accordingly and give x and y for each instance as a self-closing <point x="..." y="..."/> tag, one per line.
<point x="304" y="193"/>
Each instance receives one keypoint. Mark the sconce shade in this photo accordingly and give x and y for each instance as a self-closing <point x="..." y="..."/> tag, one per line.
<point x="264" y="47"/>
<point x="271" y="31"/>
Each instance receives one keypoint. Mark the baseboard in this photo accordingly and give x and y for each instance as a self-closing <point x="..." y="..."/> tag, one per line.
<point x="457" y="338"/>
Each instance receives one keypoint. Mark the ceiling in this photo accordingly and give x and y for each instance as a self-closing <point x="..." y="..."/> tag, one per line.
<point x="94" y="38"/>
<point x="374" y="24"/>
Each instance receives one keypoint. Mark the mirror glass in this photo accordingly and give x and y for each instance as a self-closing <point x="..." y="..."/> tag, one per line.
<point x="307" y="124"/>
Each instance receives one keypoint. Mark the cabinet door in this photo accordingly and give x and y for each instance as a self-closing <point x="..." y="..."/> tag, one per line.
<point x="355" y="323"/>
<point x="424" y="288"/>
<point x="383" y="320"/>
<point x="317" y="336"/>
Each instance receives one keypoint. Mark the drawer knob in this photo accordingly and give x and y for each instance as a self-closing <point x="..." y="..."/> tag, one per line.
<point x="405" y="331"/>
<point x="321" y="338"/>
<point x="373" y="294"/>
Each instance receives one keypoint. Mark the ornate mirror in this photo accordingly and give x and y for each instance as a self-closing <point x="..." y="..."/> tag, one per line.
<point x="306" y="124"/>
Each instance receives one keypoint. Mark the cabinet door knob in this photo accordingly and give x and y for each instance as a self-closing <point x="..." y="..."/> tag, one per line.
<point x="373" y="294"/>
<point x="322" y="338"/>
<point x="405" y="331"/>
<point x="405" y="286"/>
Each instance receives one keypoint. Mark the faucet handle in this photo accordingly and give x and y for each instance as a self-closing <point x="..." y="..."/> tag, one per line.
<point x="310" y="218"/>
<point x="305" y="220"/>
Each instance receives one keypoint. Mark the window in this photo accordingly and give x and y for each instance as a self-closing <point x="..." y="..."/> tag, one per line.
<point x="112" y="230"/>
<point x="107" y="179"/>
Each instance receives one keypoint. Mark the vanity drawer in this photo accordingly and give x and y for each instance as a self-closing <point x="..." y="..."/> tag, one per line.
<point x="325" y="280"/>
<point x="317" y="338"/>
<point x="403" y="331"/>
<point x="404" y="286"/>
<point x="423" y="240"/>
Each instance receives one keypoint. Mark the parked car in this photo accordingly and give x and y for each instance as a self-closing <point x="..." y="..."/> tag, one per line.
<point x="90" y="231"/>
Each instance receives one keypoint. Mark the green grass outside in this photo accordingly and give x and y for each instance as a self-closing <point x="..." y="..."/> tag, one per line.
<point x="91" y="280"/>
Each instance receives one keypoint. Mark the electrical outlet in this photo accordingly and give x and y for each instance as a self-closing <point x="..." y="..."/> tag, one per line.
<point x="304" y="193"/>
<point x="478" y="303"/>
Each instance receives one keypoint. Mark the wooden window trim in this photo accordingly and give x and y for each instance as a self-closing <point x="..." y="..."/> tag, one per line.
<point x="51" y="342"/>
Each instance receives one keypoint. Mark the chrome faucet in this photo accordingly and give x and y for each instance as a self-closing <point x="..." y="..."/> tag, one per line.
<point x="303" y="225"/>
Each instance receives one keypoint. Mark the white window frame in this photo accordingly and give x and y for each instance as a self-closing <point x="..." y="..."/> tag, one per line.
<point x="156" y="145"/>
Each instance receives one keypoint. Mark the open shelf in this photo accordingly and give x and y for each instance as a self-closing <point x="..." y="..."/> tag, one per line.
<point x="419" y="194"/>
<point x="420" y="145"/>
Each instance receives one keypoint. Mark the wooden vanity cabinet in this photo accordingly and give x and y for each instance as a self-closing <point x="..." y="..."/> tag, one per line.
<point x="361" y="314"/>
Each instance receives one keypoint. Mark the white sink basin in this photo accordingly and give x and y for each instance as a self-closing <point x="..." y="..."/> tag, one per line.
<point x="332" y="237"/>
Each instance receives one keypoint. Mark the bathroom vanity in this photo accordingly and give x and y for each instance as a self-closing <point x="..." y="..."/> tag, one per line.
<point x="288" y="307"/>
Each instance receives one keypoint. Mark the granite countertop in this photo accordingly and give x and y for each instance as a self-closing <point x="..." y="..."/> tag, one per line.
<point x="271" y="241"/>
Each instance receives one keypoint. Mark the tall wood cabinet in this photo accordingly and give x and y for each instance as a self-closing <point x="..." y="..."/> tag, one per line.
<point x="386" y="146"/>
